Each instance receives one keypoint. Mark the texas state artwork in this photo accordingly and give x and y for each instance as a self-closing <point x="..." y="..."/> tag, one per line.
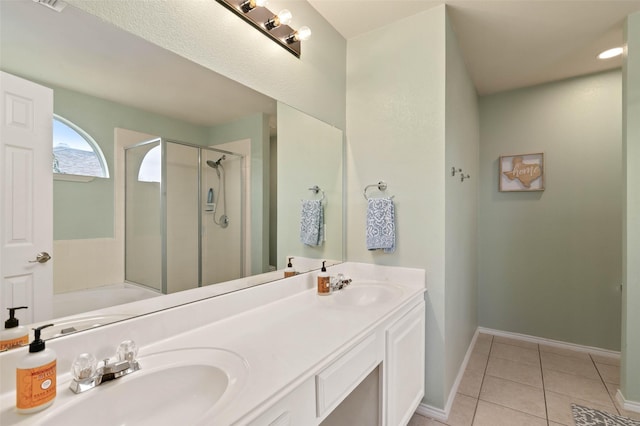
<point x="523" y="172"/>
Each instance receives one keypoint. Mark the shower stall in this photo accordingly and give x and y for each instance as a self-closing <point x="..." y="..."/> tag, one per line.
<point x="184" y="215"/>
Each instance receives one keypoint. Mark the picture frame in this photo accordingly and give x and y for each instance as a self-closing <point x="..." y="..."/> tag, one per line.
<point x="521" y="173"/>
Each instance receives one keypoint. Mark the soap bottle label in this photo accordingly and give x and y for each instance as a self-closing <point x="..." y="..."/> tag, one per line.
<point x="324" y="286"/>
<point x="14" y="343"/>
<point x="35" y="386"/>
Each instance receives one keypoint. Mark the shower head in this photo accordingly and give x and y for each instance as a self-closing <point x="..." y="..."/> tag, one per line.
<point x="215" y="164"/>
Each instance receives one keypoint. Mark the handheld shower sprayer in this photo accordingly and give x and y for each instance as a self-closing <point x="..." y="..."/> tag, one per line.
<point x="215" y="164"/>
<point x="224" y="220"/>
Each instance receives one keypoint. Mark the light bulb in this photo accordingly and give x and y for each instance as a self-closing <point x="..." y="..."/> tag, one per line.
<point x="303" y="33"/>
<point x="611" y="53"/>
<point x="249" y="5"/>
<point x="284" y="16"/>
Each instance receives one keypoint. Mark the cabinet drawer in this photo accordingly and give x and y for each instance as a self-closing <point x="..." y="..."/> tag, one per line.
<point x="297" y="408"/>
<point x="335" y="382"/>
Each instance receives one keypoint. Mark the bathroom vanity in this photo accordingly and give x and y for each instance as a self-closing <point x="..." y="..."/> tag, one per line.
<point x="277" y="354"/>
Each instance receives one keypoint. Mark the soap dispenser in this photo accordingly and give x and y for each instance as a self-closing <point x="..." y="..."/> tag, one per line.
<point x="14" y="334"/>
<point x="324" y="281"/>
<point x="289" y="271"/>
<point x="36" y="377"/>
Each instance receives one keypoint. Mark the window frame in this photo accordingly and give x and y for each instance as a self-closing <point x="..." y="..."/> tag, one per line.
<point x="94" y="146"/>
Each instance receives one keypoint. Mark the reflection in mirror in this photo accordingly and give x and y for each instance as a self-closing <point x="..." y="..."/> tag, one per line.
<point x="123" y="90"/>
<point x="312" y="152"/>
<point x="184" y="216"/>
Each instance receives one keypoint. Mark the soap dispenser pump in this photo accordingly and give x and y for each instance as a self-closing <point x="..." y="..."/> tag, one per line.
<point x="289" y="271"/>
<point x="324" y="281"/>
<point x="14" y="334"/>
<point x="36" y="377"/>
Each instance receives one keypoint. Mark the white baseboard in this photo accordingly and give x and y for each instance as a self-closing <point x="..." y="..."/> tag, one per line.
<point x="432" y="412"/>
<point x="438" y="413"/>
<point x="626" y="404"/>
<point x="550" y="342"/>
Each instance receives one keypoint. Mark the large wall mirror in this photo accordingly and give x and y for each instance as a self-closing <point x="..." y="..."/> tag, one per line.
<point x="206" y="177"/>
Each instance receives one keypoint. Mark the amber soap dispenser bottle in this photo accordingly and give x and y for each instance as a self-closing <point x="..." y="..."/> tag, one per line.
<point x="324" y="281"/>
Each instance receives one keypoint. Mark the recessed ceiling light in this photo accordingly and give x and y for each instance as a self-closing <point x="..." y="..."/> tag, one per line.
<point x="611" y="53"/>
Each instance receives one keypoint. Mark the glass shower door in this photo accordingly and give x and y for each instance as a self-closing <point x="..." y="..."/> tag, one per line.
<point x="143" y="215"/>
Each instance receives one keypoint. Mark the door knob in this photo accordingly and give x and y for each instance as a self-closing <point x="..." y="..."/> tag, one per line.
<point x="42" y="257"/>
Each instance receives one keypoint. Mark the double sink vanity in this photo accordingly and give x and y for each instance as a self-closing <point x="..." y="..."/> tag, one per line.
<point x="275" y="354"/>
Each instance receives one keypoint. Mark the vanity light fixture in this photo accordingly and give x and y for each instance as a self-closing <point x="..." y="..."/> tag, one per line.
<point x="611" y="53"/>
<point x="56" y="5"/>
<point x="274" y="26"/>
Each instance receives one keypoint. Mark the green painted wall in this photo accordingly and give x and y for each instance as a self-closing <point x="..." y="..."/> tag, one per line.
<point x="412" y="112"/>
<point x="630" y="366"/>
<point x="462" y="136"/>
<point x="86" y="210"/>
<point x="550" y="262"/>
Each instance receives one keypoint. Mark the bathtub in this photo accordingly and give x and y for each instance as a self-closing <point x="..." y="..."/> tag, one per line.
<point x="77" y="302"/>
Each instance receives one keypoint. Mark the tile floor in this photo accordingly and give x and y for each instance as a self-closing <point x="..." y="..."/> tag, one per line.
<point x="517" y="383"/>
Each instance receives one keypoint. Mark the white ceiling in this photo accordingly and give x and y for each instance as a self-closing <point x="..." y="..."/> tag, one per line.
<point x="506" y="44"/>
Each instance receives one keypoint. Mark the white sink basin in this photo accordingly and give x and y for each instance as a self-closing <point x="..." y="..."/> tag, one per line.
<point x="366" y="294"/>
<point x="181" y="387"/>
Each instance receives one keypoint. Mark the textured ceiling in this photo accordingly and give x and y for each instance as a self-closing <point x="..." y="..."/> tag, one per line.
<point x="506" y="43"/>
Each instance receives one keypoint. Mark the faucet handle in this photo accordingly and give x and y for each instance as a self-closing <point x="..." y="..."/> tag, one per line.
<point x="127" y="351"/>
<point x="84" y="367"/>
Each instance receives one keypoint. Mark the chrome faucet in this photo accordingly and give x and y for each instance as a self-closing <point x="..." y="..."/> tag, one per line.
<point x="87" y="376"/>
<point x="339" y="282"/>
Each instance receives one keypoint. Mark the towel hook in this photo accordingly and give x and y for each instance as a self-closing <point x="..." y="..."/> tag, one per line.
<point x="316" y="189"/>
<point x="382" y="186"/>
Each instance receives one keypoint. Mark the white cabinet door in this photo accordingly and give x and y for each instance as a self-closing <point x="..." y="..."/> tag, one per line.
<point x="26" y="200"/>
<point x="404" y="366"/>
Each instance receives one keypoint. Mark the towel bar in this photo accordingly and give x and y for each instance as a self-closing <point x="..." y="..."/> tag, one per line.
<point x="316" y="189"/>
<point x="382" y="186"/>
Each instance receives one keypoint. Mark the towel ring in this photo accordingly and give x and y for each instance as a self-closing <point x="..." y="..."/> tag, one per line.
<point x="382" y="186"/>
<point x="316" y="189"/>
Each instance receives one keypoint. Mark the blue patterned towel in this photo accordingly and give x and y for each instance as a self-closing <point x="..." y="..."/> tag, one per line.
<point x="381" y="225"/>
<point x="312" y="222"/>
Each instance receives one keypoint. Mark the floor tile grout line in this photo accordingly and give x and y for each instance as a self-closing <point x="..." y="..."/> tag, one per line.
<point x="605" y="385"/>
<point x="514" y="381"/>
<point x="513" y="360"/>
<point x="544" y="392"/>
<point x="484" y="373"/>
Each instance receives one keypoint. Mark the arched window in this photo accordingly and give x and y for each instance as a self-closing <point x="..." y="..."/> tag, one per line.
<point x="75" y="152"/>
<point x="151" y="166"/>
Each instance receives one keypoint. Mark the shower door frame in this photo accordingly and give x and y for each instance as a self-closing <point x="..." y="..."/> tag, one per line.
<point x="163" y="206"/>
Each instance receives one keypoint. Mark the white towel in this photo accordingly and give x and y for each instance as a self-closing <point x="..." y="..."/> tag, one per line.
<point x="381" y="225"/>
<point x="312" y="222"/>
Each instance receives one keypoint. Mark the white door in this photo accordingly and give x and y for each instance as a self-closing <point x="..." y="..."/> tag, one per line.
<point x="26" y="199"/>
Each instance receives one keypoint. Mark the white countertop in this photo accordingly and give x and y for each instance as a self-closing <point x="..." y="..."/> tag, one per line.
<point x="283" y="340"/>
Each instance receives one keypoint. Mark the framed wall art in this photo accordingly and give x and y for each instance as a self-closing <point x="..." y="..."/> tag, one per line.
<point x="523" y="172"/>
